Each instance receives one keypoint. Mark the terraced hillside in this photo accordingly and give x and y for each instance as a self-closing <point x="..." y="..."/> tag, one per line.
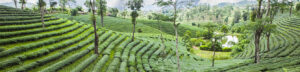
<point x="67" y="46"/>
<point x="284" y="53"/>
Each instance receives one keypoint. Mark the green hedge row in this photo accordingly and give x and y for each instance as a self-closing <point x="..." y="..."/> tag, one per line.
<point x="100" y="64"/>
<point x="30" y="26"/>
<point x="105" y="36"/>
<point x="40" y="35"/>
<point x="45" y="42"/>
<point x="9" y="62"/>
<point x="19" y="14"/>
<point x="114" y="65"/>
<point x="36" y="30"/>
<point x="139" y="57"/>
<point x="47" y="50"/>
<point x="12" y="18"/>
<point x="15" y="12"/>
<point x="123" y="67"/>
<point x="59" y="45"/>
<point x="138" y="47"/>
<point x="107" y="42"/>
<point x="113" y="44"/>
<point x="66" y="61"/>
<point x="85" y="63"/>
<point x="128" y="48"/>
<point x="2" y="49"/>
<point x="157" y="52"/>
<point x="119" y="49"/>
<point x="146" y="56"/>
<point x="25" y="21"/>
<point x="57" y="55"/>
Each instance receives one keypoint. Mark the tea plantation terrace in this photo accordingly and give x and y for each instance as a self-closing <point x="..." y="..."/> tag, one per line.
<point x="67" y="46"/>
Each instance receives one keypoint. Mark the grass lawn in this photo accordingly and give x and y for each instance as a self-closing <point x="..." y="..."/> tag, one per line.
<point x="209" y="54"/>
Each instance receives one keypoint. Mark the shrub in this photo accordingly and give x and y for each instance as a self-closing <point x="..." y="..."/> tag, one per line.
<point x="9" y="62"/>
<point x="298" y="6"/>
<point x="74" y="12"/>
<point x="140" y="30"/>
<point x="123" y="67"/>
<point x="114" y="65"/>
<point x="64" y="62"/>
<point x="84" y="64"/>
<point x="100" y="63"/>
<point x="226" y="49"/>
<point x="1" y="49"/>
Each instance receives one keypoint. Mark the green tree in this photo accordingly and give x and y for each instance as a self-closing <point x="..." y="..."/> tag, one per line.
<point x="64" y="2"/>
<point x="291" y="4"/>
<point x="269" y="28"/>
<point x="187" y="39"/>
<point x="224" y="29"/>
<point x="237" y="16"/>
<point x="92" y="3"/>
<point x="23" y="2"/>
<point x="87" y="4"/>
<point x="42" y="5"/>
<point x="114" y="12"/>
<point x="52" y="5"/>
<point x="245" y="15"/>
<point x="102" y="10"/>
<point x="298" y="6"/>
<point x="124" y="14"/>
<point x="214" y="43"/>
<point x="135" y="6"/>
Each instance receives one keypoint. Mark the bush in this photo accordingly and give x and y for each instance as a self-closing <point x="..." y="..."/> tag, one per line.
<point x="298" y="6"/>
<point x="100" y="63"/>
<point x="1" y="49"/>
<point x="85" y="63"/>
<point x="209" y="47"/>
<point x="226" y="49"/>
<point x="123" y="67"/>
<point x="140" y="30"/>
<point x="74" y="12"/>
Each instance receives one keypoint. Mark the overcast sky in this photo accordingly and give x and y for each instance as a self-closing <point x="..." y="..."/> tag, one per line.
<point x="119" y="3"/>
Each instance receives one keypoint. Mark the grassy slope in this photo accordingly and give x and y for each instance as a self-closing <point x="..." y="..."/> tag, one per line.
<point x="124" y="25"/>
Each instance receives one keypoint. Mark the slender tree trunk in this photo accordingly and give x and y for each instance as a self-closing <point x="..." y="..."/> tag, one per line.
<point x="259" y="15"/>
<point x="257" y="48"/>
<point x="269" y="7"/>
<point x="95" y="28"/>
<point x="133" y="22"/>
<point x="213" y="59"/>
<point x="176" y="33"/>
<point x="42" y="16"/>
<point x="15" y="1"/>
<point x="291" y="10"/>
<point x="101" y="14"/>
<point x="268" y="41"/>
<point x="22" y="6"/>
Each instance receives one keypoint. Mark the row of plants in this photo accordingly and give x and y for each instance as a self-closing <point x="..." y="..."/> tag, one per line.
<point x="146" y="56"/>
<point x="36" y="53"/>
<point x="113" y="44"/>
<point x="26" y="21"/>
<point x="41" y="43"/>
<point x="36" y="30"/>
<point x="43" y="35"/>
<point x="107" y="42"/>
<point x="139" y="60"/>
<point x="14" y="18"/>
<point x="30" y="26"/>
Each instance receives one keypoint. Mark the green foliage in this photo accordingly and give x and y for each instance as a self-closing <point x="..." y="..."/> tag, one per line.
<point x="53" y="3"/>
<point x="224" y="29"/>
<point x="79" y="8"/>
<point x="85" y="63"/>
<point x="245" y="15"/>
<point x="197" y="41"/>
<point x="1" y="49"/>
<point x="74" y="12"/>
<point x="208" y="46"/>
<point x="298" y="6"/>
<point x="99" y="65"/>
<point x="113" y="12"/>
<point x="226" y="49"/>
<point x="140" y="30"/>
<point x="237" y="16"/>
<point x="42" y="3"/>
